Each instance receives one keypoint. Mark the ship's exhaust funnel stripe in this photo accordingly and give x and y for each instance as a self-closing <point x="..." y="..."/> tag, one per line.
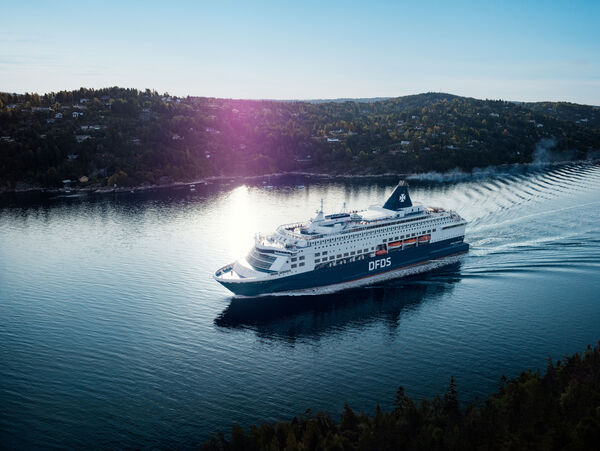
<point x="399" y="198"/>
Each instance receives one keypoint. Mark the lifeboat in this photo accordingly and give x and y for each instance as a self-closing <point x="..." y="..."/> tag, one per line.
<point x="395" y="244"/>
<point x="381" y="252"/>
<point x="424" y="239"/>
<point x="410" y="241"/>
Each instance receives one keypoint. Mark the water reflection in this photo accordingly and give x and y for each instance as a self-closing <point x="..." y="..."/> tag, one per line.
<point x="291" y="318"/>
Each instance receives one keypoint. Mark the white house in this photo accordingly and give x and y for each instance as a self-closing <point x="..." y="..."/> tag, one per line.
<point x="82" y="138"/>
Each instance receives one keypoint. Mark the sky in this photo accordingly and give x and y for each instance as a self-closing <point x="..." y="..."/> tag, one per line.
<point x="511" y="50"/>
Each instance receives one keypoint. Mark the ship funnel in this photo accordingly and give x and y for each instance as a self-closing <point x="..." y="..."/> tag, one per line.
<point x="399" y="198"/>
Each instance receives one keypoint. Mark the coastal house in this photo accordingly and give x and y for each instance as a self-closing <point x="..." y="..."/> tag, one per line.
<point x="333" y="140"/>
<point x="84" y="179"/>
<point x="76" y="114"/>
<point x="58" y="116"/>
<point x="82" y="101"/>
<point x="404" y="143"/>
<point x="82" y="138"/>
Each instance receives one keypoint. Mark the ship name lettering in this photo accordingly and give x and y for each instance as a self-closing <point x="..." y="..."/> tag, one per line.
<point x="381" y="263"/>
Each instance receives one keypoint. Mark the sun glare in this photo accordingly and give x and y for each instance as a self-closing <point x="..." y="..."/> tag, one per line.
<point x="241" y="222"/>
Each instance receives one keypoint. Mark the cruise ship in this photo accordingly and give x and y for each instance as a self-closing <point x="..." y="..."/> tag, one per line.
<point x="348" y="249"/>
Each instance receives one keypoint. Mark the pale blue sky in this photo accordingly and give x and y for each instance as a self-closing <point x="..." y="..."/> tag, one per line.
<point x="515" y="50"/>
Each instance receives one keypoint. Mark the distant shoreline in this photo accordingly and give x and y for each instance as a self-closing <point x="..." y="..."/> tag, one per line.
<point x="452" y="174"/>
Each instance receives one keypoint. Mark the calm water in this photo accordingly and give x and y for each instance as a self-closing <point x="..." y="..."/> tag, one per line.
<point x="113" y="333"/>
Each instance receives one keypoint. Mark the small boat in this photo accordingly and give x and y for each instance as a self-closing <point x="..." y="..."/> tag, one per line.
<point x="424" y="239"/>
<point x="410" y="241"/>
<point x="395" y="244"/>
<point x="381" y="252"/>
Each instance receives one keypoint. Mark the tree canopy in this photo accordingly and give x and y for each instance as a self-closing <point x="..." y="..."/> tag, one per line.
<point x="154" y="137"/>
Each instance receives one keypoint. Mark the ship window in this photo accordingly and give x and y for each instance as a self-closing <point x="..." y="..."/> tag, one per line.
<point x="317" y="254"/>
<point x="302" y="257"/>
<point x="384" y="240"/>
<point x="317" y="260"/>
<point x="301" y="264"/>
<point x="366" y="250"/>
<point x="346" y="254"/>
<point x="324" y="252"/>
<point x="294" y="265"/>
<point x="396" y="238"/>
<point x="339" y="256"/>
<point x="294" y="259"/>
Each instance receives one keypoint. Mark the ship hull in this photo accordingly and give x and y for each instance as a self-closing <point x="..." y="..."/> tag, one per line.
<point x="361" y="272"/>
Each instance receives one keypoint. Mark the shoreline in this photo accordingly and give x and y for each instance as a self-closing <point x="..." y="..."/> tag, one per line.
<point x="452" y="175"/>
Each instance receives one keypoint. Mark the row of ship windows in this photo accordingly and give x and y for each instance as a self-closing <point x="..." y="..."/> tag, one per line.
<point x="318" y="254"/>
<point x="370" y="235"/>
<point x="339" y="262"/>
<point x="294" y="265"/>
<point x="346" y="254"/>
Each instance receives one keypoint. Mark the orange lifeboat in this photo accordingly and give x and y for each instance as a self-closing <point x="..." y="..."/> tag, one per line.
<point x="381" y="252"/>
<point x="410" y="241"/>
<point x="395" y="244"/>
<point x="424" y="239"/>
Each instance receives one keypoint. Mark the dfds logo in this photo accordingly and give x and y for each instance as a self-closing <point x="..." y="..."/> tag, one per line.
<point x="378" y="264"/>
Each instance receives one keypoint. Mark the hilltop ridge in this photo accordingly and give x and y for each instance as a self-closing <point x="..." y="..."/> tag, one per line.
<point x="129" y="138"/>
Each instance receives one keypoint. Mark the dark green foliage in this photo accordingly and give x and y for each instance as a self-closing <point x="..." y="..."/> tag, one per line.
<point x="155" y="138"/>
<point x="560" y="410"/>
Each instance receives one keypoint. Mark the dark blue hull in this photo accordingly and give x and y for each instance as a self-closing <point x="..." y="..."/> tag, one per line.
<point x="361" y="271"/>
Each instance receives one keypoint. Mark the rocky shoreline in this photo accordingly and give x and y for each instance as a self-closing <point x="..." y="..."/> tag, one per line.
<point x="450" y="175"/>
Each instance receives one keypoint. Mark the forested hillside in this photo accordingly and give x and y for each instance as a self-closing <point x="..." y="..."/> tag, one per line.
<point x="129" y="137"/>
<point x="559" y="410"/>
